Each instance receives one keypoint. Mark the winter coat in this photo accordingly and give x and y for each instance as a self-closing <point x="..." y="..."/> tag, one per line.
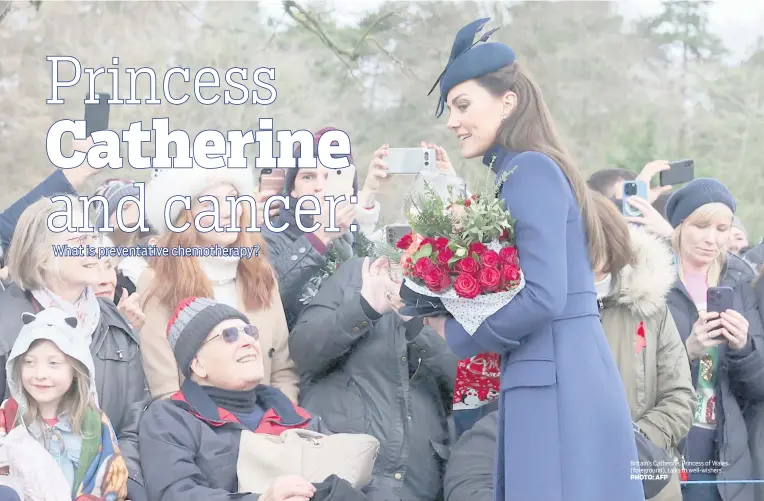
<point x="297" y="257"/>
<point x="469" y="475"/>
<point x="741" y="377"/>
<point x="755" y="255"/>
<point x="655" y="373"/>
<point x="559" y="439"/>
<point x="381" y="377"/>
<point x="754" y="413"/>
<point x="55" y="184"/>
<point x="119" y="376"/>
<point x="164" y="378"/>
<point x="190" y="447"/>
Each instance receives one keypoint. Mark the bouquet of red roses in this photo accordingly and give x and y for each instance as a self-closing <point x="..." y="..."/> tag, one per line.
<point x="460" y="260"/>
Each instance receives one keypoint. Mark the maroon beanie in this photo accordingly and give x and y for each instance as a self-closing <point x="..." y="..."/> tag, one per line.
<point x="291" y="173"/>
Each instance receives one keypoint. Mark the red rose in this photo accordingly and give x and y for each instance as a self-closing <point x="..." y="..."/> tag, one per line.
<point x="508" y="255"/>
<point x="504" y="235"/>
<point x="510" y="274"/>
<point x="440" y="243"/>
<point x="445" y="281"/>
<point x="489" y="279"/>
<point x="426" y="241"/>
<point x="422" y="265"/>
<point x="478" y="248"/>
<point x="475" y="196"/>
<point x="490" y="259"/>
<point x="405" y="241"/>
<point x="433" y="279"/>
<point x="444" y="255"/>
<point x="467" y="265"/>
<point x="466" y="286"/>
<point x="467" y="202"/>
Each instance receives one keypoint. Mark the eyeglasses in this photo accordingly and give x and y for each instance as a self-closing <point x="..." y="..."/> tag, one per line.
<point x="83" y="239"/>
<point x="231" y="334"/>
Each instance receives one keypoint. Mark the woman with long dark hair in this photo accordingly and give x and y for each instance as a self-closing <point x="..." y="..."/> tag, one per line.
<point x="565" y="432"/>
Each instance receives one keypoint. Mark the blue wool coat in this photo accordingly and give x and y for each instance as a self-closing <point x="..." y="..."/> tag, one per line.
<point x="565" y="431"/>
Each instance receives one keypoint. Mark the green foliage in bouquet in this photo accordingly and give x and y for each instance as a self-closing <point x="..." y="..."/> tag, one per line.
<point x="430" y="216"/>
<point x="485" y="217"/>
<point x="335" y="256"/>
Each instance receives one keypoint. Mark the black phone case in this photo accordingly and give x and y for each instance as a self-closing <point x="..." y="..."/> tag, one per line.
<point x="720" y="302"/>
<point x="97" y="115"/>
<point x="682" y="171"/>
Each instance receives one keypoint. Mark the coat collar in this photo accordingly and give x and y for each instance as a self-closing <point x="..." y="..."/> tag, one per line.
<point x="496" y="156"/>
<point x="276" y="404"/>
<point x="643" y="285"/>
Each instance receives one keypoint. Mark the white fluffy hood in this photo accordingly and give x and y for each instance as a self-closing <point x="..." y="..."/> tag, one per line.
<point x="643" y="285"/>
<point x="191" y="182"/>
<point x="54" y="325"/>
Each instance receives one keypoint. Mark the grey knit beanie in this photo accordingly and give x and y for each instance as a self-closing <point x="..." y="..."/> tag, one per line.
<point x="191" y="323"/>
<point x="113" y="191"/>
<point x="694" y="195"/>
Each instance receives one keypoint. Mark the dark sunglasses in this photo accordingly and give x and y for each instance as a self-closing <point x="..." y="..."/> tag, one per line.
<point x="231" y="334"/>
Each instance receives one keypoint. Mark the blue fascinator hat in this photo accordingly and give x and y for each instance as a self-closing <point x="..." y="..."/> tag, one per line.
<point x="469" y="60"/>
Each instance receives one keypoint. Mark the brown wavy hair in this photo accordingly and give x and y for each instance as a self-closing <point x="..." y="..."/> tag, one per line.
<point x="619" y="253"/>
<point x="176" y="278"/>
<point x="530" y="127"/>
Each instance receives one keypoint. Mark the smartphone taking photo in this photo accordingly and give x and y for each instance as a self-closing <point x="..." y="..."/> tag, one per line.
<point x="97" y="115"/>
<point x="409" y="160"/>
<point x="633" y="189"/>
<point x="679" y="172"/>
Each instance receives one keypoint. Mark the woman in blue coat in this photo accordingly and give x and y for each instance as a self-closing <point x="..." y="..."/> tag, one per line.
<point x="565" y="431"/>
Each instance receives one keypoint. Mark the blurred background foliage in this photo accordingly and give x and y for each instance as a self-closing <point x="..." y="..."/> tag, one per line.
<point x="623" y="93"/>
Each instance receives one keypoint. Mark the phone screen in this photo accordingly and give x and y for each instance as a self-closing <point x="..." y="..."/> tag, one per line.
<point x="97" y="115"/>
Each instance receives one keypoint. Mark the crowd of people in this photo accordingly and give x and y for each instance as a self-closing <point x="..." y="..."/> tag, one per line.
<point x="149" y="378"/>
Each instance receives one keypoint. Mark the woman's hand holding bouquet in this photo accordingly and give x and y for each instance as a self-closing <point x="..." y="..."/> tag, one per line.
<point x="460" y="261"/>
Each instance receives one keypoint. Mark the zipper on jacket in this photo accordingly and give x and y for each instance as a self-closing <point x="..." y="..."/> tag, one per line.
<point x="416" y="371"/>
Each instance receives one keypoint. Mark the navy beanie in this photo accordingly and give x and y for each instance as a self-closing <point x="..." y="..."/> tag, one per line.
<point x="695" y="194"/>
<point x="291" y="173"/>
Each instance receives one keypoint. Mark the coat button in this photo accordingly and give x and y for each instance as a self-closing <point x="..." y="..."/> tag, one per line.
<point x="398" y="476"/>
<point x="293" y="258"/>
<point x="271" y="352"/>
<point x="356" y="330"/>
<point x="403" y="358"/>
<point x="302" y="250"/>
<point x="364" y="323"/>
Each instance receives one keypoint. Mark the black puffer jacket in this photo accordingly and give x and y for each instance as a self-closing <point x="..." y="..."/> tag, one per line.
<point x="741" y="378"/>
<point x="297" y="257"/>
<point x="380" y="376"/>
<point x="120" y="381"/>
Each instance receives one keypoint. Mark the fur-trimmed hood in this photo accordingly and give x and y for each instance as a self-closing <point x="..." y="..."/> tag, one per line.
<point x="643" y="285"/>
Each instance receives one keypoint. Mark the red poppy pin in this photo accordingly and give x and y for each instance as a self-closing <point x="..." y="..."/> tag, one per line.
<point x="641" y="343"/>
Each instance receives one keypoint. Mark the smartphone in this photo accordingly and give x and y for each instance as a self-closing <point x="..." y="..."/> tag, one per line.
<point x="272" y="180"/>
<point x="680" y="172"/>
<point x="340" y="182"/>
<point x="632" y="189"/>
<point x="97" y="115"/>
<point x="720" y="299"/>
<point x="394" y="232"/>
<point x="409" y="160"/>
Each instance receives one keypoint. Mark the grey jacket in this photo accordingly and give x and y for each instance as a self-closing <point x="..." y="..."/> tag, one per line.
<point x="755" y="255"/>
<point x="297" y="257"/>
<point x="120" y="381"/>
<point x="742" y="378"/>
<point x="754" y="415"/>
<point x="378" y="376"/>
<point x="473" y="460"/>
